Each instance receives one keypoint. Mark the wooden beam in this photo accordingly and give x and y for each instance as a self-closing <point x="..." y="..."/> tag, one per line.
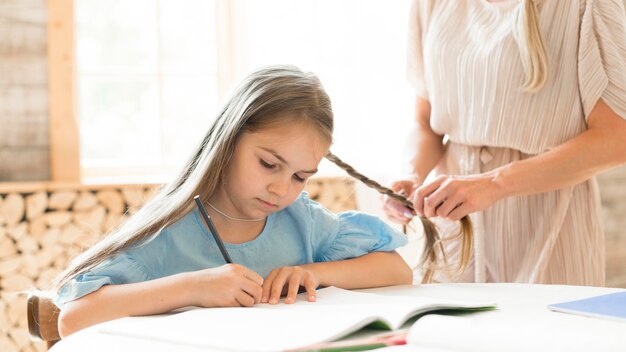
<point x="64" y="134"/>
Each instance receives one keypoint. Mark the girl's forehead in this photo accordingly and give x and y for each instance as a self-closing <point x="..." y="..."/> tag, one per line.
<point x="291" y="141"/>
<point x="290" y="130"/>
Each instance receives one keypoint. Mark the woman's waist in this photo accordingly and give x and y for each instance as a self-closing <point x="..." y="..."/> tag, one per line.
<point x="525" y="137"/>
<point x="487" y="152"/>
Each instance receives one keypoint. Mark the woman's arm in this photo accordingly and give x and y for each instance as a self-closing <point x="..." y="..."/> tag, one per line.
<point x="370" y="270"/>
<point x="228" y="285"/>
<point x="426" y="148"/>
<point x="601" y="147"/>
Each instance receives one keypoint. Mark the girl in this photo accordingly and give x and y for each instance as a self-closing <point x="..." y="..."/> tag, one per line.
<point x="250" y="171"/>
<point x="531" y="95"/>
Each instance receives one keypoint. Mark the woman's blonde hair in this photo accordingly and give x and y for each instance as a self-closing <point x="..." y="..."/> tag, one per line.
<point x="268" y="97"/>
<point x="533" y="52"/>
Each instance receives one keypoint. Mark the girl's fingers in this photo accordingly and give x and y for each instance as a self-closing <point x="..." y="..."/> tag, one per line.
<point x="267" y="286"/>
<point x="244" y="299"/>
<point x="310" y="287"/>
<point x="278" y="284"/>
<point x="294" y="285"/>
<point x="253" y="290"/>
<point x="253" y="276"/>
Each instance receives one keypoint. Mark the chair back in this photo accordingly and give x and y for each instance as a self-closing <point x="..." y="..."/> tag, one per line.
<point x="43" y="317"/>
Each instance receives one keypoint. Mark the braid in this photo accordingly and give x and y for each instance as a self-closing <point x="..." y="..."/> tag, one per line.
<point x="368" y="181"/>
<point x="434" y="242"/>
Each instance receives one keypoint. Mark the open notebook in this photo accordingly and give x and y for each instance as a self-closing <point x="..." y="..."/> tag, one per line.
<point x="265" y="327"/>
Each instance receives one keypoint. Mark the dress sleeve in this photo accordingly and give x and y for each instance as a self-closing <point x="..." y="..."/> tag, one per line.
<point x="121" y="269"/>
<point x="602" y="55"/>
<point x="415" y="53"/>
<point x="359" y="234"/>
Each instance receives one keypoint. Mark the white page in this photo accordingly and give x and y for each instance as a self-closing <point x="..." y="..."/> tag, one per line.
<point x="267" y="327"/>
<point x="512" y="333"/>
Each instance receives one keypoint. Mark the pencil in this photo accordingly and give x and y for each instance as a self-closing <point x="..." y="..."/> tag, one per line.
<point x="209" y="223"/>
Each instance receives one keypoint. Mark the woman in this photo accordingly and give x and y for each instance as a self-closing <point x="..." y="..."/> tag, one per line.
<point x="531" y="97"/>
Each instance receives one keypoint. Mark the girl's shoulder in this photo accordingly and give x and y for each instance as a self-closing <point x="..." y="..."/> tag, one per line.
<point x="189" y="220"/>
<point x="181" y="230"/>
<point x="306" y="210"/>
<point x="304" y="203"/>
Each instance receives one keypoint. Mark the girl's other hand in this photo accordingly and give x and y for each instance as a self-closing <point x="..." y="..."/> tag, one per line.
<point x="229" y="285"/>
<point x="393" y="208"/>
<point x="287" y="281"/>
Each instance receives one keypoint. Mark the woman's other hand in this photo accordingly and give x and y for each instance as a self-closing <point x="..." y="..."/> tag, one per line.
<point x="453" y="197"/>
<point x="395" y="210"/>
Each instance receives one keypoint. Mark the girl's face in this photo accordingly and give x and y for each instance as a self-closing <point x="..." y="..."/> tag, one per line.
<point x="269" y="169"/>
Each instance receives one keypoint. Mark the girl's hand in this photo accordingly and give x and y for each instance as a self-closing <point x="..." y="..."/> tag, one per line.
<point x="453" y="197"/>
<point x="287" y="280"/>
<point x="393" y="208"/>
<point x="229" y="285"/>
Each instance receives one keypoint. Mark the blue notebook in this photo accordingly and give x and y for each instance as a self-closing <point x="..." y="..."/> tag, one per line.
<point x="612" y="306"/>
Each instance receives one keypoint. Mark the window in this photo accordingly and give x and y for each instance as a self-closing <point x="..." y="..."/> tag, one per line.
<point x="150" y="77"/>
<point x="147" y="82"/>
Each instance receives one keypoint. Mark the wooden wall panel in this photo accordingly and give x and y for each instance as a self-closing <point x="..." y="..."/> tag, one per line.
<point x="24" y="133"/>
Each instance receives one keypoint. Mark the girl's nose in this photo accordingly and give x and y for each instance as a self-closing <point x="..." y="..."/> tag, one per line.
<point x="280" y="187"/>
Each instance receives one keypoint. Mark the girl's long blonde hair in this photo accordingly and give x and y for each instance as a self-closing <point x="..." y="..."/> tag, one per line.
<point x="267" y="97"/>
<point x="532" y="47"/>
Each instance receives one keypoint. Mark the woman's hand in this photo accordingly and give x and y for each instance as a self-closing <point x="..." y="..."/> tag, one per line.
<point x="287" y="281"/>
<point x="453" y="197"/>
<point x="393" y="208"/>
<point x="229" y="285"/>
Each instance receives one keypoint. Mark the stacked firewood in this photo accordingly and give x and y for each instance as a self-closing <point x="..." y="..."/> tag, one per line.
<point x="41" y="231"/>
<point x="43" y="228"/>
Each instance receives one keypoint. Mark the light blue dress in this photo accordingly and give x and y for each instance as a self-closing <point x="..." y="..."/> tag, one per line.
<point x="304" y="232"/>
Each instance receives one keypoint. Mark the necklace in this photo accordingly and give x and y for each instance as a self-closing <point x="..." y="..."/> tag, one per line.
<point x="232" y="217"/>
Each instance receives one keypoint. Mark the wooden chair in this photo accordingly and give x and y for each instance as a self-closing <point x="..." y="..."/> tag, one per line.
<point x="43" y="318"/>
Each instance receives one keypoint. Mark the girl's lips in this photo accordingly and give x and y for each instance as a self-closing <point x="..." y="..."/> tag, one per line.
<point x="267" y="204"/>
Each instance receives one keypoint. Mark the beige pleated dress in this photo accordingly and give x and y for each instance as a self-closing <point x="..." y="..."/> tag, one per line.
<point x="464" y="59"/>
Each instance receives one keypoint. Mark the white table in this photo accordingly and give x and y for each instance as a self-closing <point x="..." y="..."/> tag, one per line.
<point x="522" y="322"/>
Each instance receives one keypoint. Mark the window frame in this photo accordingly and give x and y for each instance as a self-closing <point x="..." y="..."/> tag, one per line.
<point x="63" y="130"/>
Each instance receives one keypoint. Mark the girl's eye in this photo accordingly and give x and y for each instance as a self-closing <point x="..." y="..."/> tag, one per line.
<point x="298" y="178"/>
<point x="266" y="165"/>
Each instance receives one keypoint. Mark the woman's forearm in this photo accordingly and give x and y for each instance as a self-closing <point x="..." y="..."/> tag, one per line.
<point x="599" y="148"/>
<point x="371" y="270"/>
<point x="117" y="301"/>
